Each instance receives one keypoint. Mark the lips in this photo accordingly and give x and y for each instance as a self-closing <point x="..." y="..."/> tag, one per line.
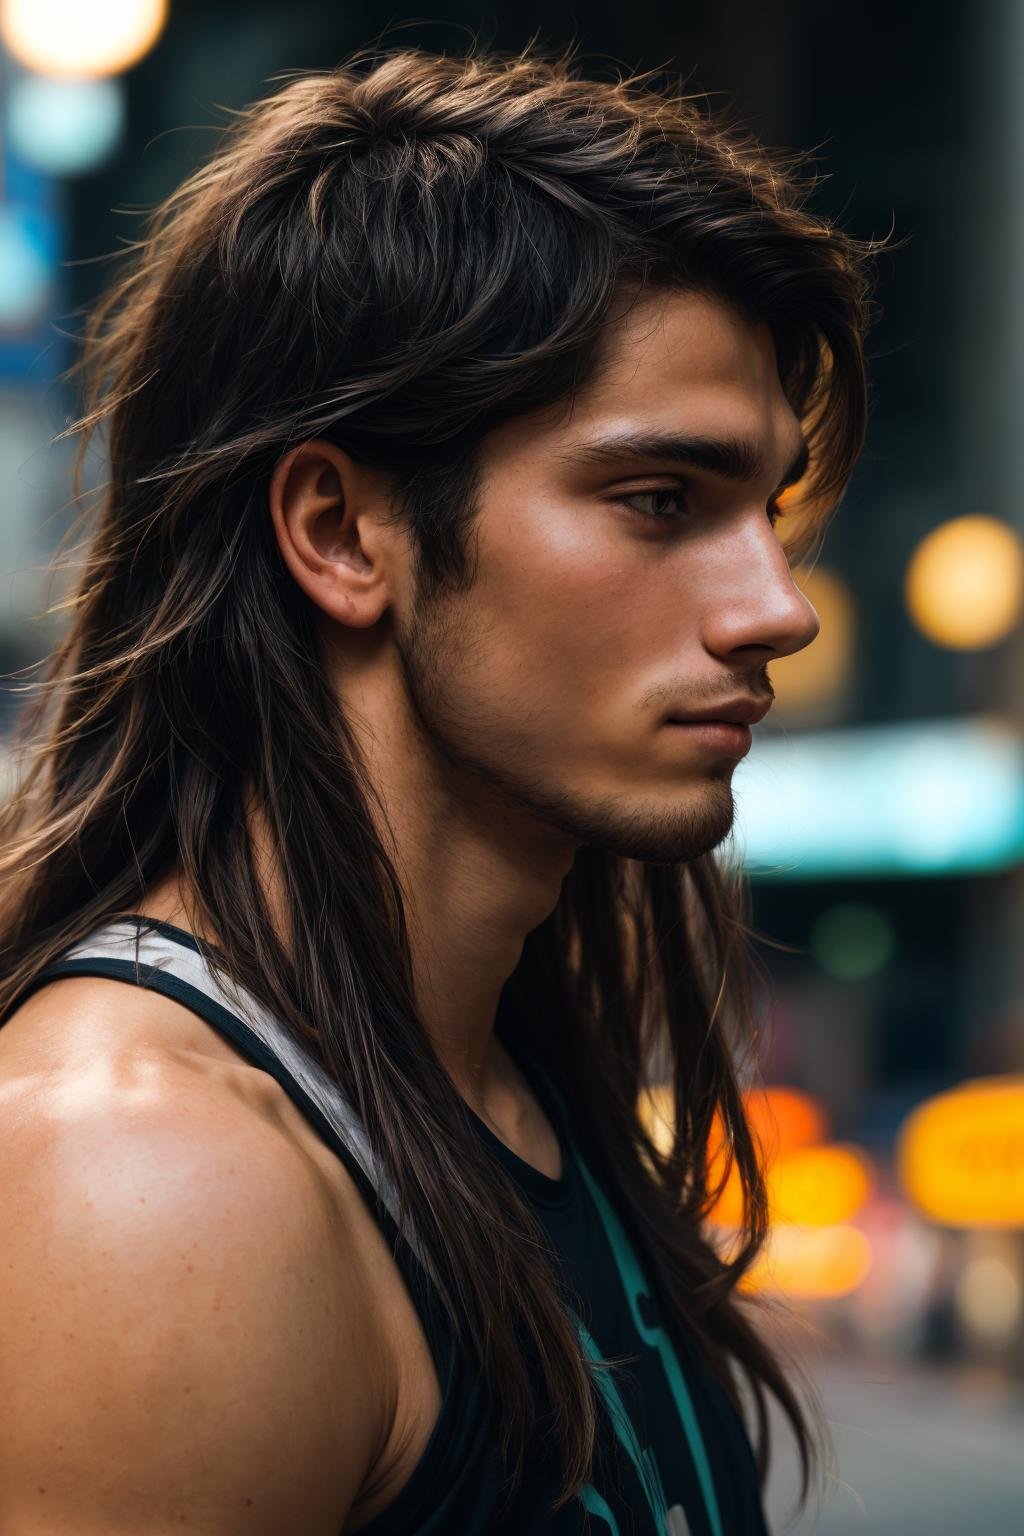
<point x="718" y="735"/>
<point x="745" y="711"/>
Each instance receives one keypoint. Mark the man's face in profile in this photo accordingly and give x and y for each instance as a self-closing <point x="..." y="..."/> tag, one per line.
<point x="613" y="593"/>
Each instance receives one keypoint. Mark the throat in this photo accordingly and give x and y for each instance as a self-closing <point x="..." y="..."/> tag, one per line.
<point x="511" y="1111"/>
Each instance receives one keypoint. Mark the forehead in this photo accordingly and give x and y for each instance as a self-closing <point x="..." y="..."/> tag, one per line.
<point x="673" y="361"/>
<point x="685" y="342"/>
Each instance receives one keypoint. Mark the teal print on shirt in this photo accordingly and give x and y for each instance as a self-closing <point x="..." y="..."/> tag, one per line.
<point x="643" y="1462"/>
<point x="594" y="1505"/>
<point x="675" y="1525"/>
<point x="636" y="1287"/>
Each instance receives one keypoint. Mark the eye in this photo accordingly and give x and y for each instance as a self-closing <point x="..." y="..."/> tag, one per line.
<point x="673" y="493"/>
<point x="677" y="494"/>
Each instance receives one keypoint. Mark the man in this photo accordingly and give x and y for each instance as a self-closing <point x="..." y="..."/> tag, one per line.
<point x="363" y="877"/>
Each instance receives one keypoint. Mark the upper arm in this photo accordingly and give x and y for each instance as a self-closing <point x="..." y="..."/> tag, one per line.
<point x="176" y="1348"/>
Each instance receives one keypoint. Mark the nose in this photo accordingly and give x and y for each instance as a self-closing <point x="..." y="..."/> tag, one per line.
<point x="752" y="601"/>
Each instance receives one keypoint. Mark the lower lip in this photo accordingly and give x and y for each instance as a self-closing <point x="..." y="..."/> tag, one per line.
<point x="719" y="735"/>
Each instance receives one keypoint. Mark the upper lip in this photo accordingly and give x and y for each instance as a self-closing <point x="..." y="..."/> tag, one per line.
<point x="744" y="711"/>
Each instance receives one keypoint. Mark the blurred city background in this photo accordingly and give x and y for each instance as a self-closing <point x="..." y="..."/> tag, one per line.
<point x="881" y="810"/>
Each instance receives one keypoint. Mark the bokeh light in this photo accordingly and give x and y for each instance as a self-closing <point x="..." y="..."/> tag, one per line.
<point x="811" y="1263"/>
<point x="852" y="941"/>
<point x="819" y="1186"/>
<point x="72" y="37"/>
<point x="988" y="1297"/>
<point x="783" y="1119"/>
<point x="925" y="795"/>
<point x="813" y="1187"/>
<point x="64" y="127"/>
<point x="965" y="583"/>
<point x="960" y="1155"/>
<point x="24" y="271"/>
<point x="814" y="1191"/>
<point x="818" y="674"/>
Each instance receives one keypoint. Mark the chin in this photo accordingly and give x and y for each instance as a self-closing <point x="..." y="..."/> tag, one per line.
<point x="662" y="830"/>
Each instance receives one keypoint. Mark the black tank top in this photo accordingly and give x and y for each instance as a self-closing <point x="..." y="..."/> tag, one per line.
<point x="673" y="1458"/>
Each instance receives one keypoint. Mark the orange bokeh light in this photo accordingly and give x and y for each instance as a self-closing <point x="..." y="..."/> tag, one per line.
<point x="808" y="1181"/>
<point x="784" y="1119"/>
<point x="814" y="1190"/>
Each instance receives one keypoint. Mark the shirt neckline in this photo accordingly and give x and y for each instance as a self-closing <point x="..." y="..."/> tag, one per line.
<point x="540" y="1187"/>
<point x="553" y="1194"/>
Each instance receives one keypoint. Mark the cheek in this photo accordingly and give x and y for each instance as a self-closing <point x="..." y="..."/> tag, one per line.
<point x="577" y="614"/>
<point x="563" y="594"/>
<point x="556" y="569"/>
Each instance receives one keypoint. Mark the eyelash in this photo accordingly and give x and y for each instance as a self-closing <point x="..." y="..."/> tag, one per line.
<point x="678" y="493"/>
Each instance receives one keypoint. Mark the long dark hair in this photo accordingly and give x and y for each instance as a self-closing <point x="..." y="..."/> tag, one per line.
<point x="399" y="254"/>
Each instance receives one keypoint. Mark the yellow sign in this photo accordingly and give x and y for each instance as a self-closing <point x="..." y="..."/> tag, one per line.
<point x="960" y="1155"/>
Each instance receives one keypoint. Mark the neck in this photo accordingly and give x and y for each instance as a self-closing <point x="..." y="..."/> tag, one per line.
<point x="470" y="900"/>
<point x="478" y="872"/>
<point x="470" y="905"/>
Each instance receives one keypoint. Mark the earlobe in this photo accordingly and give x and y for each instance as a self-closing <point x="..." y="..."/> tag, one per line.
<point x="317" y="501"/>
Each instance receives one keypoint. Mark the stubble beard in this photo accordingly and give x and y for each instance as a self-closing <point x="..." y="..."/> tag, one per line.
<point x="654" y="829"/>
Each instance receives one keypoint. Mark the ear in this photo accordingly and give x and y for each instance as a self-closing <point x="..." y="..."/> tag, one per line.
<point x="326" y="514"/>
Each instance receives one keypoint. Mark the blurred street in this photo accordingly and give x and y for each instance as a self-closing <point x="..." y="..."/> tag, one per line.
<point x="922" y="1452"/>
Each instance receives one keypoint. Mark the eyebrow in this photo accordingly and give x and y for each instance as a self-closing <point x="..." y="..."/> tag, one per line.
<point x="731" y="458"/>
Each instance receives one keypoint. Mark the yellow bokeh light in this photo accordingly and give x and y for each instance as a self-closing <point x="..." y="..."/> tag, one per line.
<point x="76" y="38"/>
<point x="817" y="674"/>
<point x="811" y="1263"/>
<point x="819" y="1186"/>
<point x="960" y="1155"/>
<point x="813" y="1186"/>
<point x="727" y="1210"/>
<point x="656" y="1115"/>
<point x="965" y="583"/>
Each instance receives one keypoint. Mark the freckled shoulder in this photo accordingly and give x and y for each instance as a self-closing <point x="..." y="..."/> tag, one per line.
<point x="180" y="1292"/>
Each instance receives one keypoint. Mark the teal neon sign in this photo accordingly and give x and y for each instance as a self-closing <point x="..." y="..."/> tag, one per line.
<point x="925" y="797"/>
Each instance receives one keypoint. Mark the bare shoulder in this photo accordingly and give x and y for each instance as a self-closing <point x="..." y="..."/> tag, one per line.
<point x="84" y="1018"/>
<point x="173" y="1324"/>
<point x="108" y="1037"/>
